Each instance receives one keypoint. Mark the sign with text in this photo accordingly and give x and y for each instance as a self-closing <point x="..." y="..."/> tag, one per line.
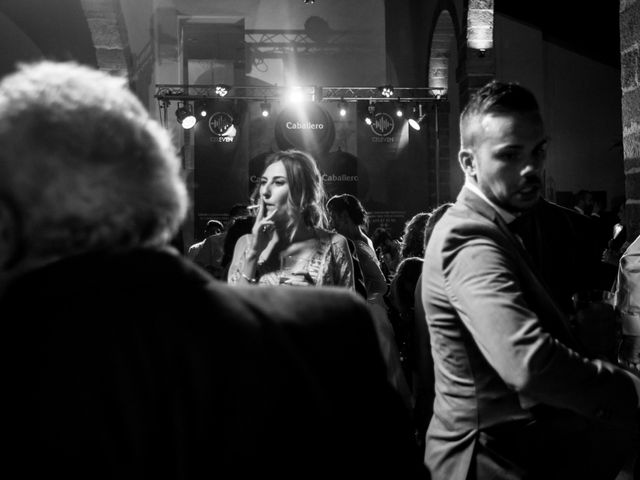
<point x="305" y="126"/>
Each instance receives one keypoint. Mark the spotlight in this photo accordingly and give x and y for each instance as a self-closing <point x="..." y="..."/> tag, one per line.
<point x="386" y="91"/>
<point x="265" y="108"/>
<point x="296" y="95"/>
<point x="399" y="110"/>
<point x="371" y="111"/>
<point x="185" y="116"/>
<point x="417" y="117"/>
<point x="231" y="131"/>
<point x="201" y="109"/>
<point x="222" y="90"/>
<point x="342" y="108"/>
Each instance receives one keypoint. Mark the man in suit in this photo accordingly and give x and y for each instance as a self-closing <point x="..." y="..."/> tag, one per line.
<point x="514" y="398"/>
<point x="123" y="360"/>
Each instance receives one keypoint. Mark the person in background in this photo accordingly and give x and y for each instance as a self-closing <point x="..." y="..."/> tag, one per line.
<point x="627" y="305"/>
<point x="583" y="202"/>
<point x="626" y="300"/>
<point x="349" y="218"/>
<point x="402" y="299"/>
<point x="419" y="358"/>
<point x="123" y="360"/>
<point x="209" y="253"/>
<point x="412" y="244"/>
<point x="388" y="251"/>
<point x="514" y="398"/>
<point x="238" y="227"/>
<point x="209" y="257"/>
<point x="289" y="244"/>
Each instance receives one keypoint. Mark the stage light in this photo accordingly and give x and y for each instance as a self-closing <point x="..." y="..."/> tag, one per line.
<point x="185" y="116"/>
<point x="298" y="95"/>
<point x="265" y="108"/>
<point x="417" y="117"/>
<point x="399" y="109"/>
<point x="201" y="109"/>
<point x="222" y="90"/>
<point x="386" y="91"/>
<point x="342" y="108"/>
<point x="231" y="131"/>
<point x="371" y="112"/>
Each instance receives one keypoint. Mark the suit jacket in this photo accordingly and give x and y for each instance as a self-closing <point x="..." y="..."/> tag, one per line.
<point x="510" y="392"/>
<point x="139" y="365"/>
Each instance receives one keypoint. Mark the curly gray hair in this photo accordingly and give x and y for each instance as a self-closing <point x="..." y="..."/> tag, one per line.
<point x="82" y="164"/>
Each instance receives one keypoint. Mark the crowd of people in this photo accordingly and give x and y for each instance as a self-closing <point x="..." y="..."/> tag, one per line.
<point x="457" y="351"/>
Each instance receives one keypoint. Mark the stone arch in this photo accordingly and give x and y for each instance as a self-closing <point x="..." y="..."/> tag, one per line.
<point x="441" y="73"/>
<point x="443" y="40"/>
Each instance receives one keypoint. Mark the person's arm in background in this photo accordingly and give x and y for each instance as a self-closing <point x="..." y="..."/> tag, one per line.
<point x="342" y="262"/>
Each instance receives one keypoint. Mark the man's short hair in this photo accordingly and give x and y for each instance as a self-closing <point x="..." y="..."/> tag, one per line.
<point x="213" y="226"/>
<point x="82" y="164"/>
<point x="494" y="98"/>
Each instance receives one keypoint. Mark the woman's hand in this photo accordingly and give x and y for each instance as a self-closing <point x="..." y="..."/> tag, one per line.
<point x="263" y="231"/>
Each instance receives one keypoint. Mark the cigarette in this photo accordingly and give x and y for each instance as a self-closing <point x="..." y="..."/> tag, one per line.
<point x="253" y="207"/>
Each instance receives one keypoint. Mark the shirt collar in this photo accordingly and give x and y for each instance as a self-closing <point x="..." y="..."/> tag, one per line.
<point x="506" y="216"/>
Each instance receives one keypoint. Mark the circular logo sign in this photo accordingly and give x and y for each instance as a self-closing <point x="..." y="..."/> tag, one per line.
<point x="305" y="126"/>
<point x="382" y="124"/>
<point x="219" y="123"/>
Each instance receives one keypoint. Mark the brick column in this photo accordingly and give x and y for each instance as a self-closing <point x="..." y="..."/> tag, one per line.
<point x="109" y="35"/>
<point x="630" y="75"/>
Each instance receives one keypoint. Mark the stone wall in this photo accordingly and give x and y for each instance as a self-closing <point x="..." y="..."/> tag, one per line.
<point x="109" y="35"/>
<point x="630" y="76"/>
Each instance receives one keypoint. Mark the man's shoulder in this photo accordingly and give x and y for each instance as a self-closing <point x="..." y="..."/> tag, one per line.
<point x="195" y="248"/>
<point x="462" y="217"/>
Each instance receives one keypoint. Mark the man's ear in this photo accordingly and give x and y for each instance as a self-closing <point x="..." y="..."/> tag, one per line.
<point x="467" y="160"/>
<point x="8" y="235"/>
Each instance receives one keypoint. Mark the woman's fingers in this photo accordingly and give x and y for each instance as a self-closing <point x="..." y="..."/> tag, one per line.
<point x="260" y="213"/>
<point x="270" y="216"/>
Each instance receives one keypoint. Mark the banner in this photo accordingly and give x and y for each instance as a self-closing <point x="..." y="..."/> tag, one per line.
<point x="220" y="160"/>
<point x="393" y="163"/>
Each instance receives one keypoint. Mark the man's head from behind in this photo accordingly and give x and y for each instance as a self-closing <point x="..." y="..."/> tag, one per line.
<point x="82" y="166"/>
<point x="213" y="227"/>
<point x="503" y="145"/>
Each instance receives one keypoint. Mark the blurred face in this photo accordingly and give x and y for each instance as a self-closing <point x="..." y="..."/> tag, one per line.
<point x="274" y="191"/>
<point x="337" y="221"/>
<point x="506" y="158"/>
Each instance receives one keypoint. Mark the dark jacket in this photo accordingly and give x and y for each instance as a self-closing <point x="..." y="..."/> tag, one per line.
<point x="138" y="365"/>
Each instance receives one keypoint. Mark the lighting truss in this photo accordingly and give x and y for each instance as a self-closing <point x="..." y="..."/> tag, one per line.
<point x="168" y="93"/>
